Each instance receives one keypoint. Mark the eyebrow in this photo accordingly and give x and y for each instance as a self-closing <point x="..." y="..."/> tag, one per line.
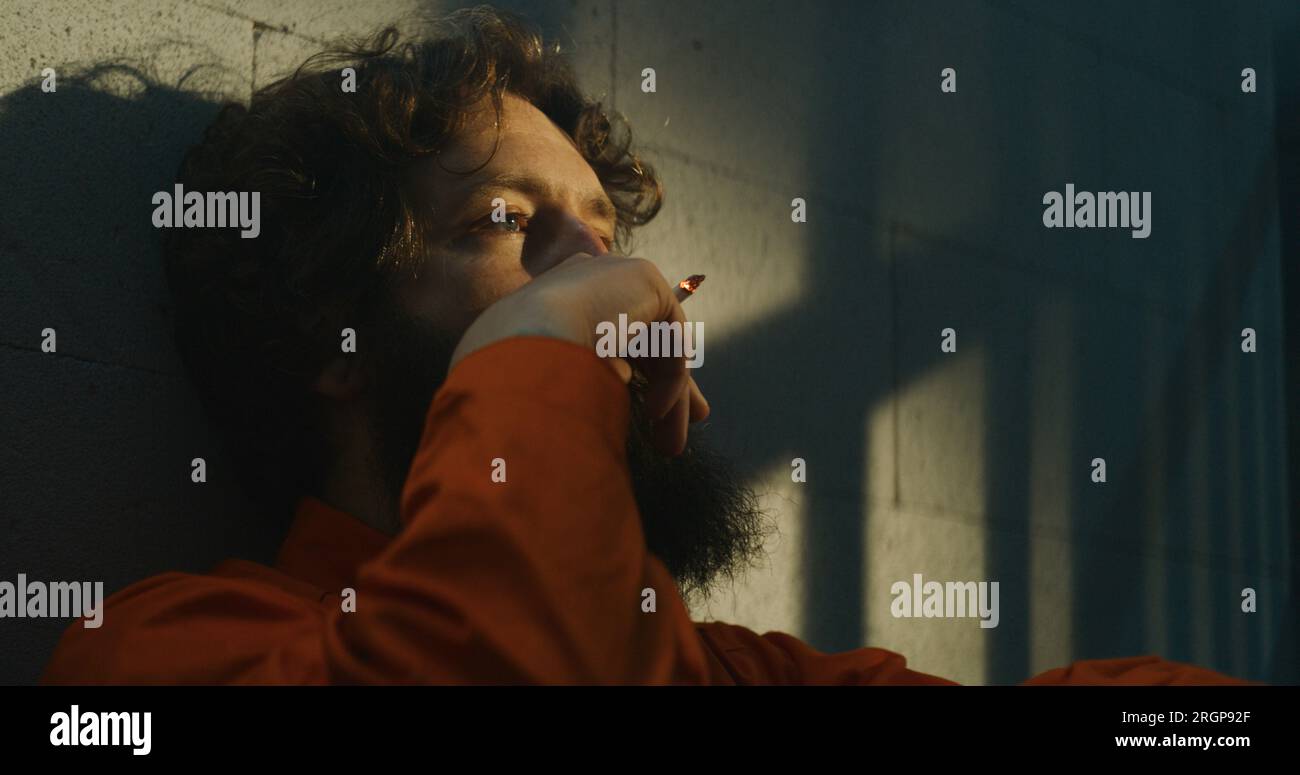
<point x="594" y="203"/>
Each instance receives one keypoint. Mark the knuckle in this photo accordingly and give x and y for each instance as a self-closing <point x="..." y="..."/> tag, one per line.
<point x="649" y="270"/>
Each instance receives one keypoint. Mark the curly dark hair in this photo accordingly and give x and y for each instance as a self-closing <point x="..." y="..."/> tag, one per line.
<point x="256" y="320"/>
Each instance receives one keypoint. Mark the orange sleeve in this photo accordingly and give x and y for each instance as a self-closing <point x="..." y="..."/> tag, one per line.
<point x="180" y="628"/>
<point x="777" y="658"/>
<point x="1132" y="671"/>
<point x="536" y="579"/>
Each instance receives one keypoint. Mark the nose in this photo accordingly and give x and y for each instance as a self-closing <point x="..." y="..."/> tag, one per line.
<point x="559" y="236"/>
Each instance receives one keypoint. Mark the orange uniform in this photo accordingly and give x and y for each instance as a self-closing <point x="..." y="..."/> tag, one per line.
<point x="537" y="579"/>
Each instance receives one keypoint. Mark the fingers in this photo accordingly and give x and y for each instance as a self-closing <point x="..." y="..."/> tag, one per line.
<point x="668" y="381"/>
<point x="699" y="406"/>
<point x="670" y="431"/>
<point x="666" y="385"/>
<point x="592" y="291"/>
<point x="622" y="368"/>
<point x="673" y="398"/>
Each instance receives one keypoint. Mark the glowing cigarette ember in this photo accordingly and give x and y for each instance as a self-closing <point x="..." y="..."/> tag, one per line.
<point x="686" y="287"/>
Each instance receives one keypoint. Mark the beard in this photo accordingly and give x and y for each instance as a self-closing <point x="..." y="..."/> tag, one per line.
<point x="698" y="516"/>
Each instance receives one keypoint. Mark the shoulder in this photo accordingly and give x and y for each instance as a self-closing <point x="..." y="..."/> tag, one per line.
<point x="187" y="628"/>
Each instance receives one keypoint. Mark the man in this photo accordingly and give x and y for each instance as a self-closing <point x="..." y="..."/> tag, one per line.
<point x="478" y="497"/>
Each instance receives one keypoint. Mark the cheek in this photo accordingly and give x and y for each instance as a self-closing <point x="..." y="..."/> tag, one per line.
<point x="481" y="290"/>
<point x="461" y="286"/>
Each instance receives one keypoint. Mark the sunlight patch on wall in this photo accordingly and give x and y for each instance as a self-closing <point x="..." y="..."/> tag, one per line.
<point x="942" y="416"/>
<point x="769" y="596"/>
<point x="1051" y="467"/>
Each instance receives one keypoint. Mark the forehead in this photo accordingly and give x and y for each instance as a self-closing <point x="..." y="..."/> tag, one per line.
<point x="530" y="146"/>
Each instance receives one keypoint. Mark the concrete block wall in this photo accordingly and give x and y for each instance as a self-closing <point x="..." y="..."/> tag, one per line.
<point x="924" y="212"/>
<point x="1073" y="344"/>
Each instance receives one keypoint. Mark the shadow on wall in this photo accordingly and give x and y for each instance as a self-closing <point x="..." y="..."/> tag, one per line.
<point x="99" y="435"/>
<point x="1158" y="390"/>
<point x="1287" y="97"/>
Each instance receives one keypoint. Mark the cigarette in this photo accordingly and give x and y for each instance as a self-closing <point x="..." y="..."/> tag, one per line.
<point x="688" y="286"/>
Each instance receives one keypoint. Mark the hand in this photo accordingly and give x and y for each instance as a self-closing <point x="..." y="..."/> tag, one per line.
<point x="569" y="300"/>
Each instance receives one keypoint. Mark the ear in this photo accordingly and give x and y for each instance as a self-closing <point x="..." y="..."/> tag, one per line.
<point x="342" y="378"/>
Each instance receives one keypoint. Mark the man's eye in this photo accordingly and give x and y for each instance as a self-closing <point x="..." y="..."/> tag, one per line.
<point x="514" y="223"/>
